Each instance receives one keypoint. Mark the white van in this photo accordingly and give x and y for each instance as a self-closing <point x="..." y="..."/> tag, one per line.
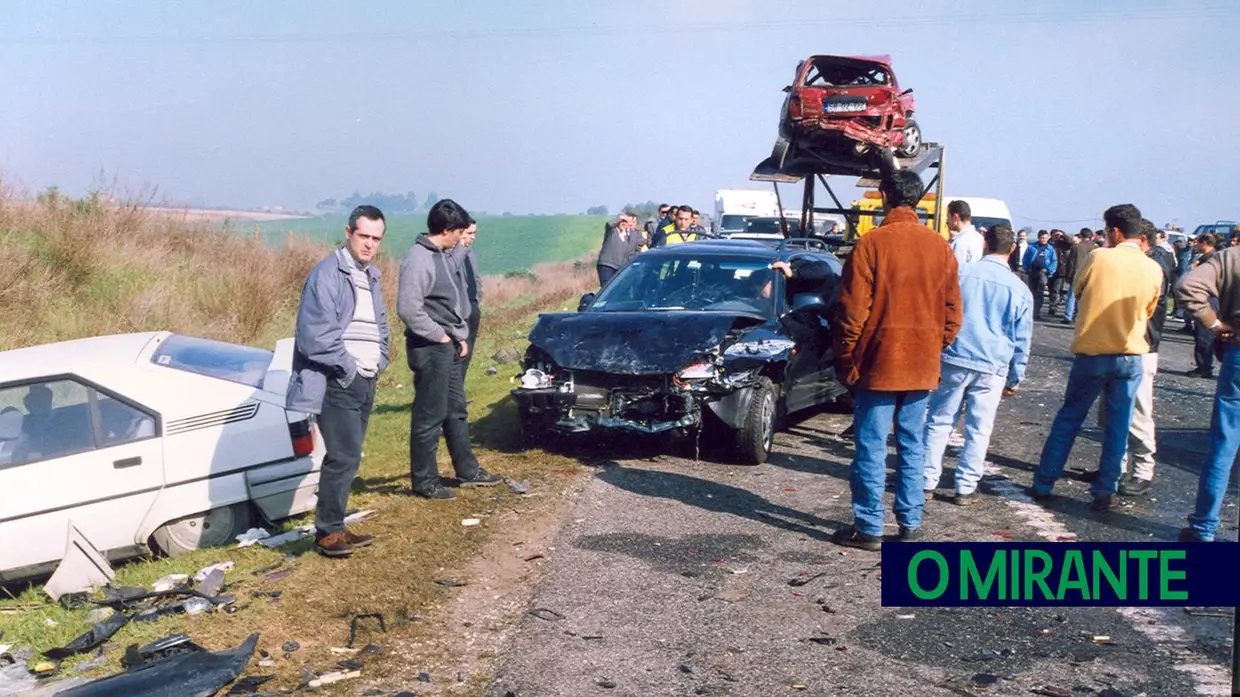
<point x="736" y="207"/>
<point x="986" y="211"/>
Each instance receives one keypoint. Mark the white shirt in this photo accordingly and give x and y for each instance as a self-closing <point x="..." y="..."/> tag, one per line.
<point x="968" y="245"/>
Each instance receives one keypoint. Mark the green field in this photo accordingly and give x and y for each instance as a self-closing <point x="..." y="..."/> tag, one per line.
<point x="505" y="243"/>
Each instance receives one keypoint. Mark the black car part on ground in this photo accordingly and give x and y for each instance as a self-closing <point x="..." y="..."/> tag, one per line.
<point x="91" y="639"/>
<point x="192" y="674"/>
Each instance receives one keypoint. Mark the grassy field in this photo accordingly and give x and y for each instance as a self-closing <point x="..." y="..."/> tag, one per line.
<point x="73" y="269"/>
<point x="505" y="243"/>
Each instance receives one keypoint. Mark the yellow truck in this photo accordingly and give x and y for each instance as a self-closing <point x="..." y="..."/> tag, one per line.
<point x="985" y="212"/>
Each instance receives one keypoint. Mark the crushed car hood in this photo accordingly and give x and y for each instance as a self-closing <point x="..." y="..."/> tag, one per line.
<point x="633" y="343"/>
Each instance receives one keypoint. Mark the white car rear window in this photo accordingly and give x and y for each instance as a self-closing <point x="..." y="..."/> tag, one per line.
<point x="245" y="365"/>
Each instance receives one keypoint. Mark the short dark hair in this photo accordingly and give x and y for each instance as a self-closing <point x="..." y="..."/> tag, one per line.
<point x="368" y="212"/>
<point x="446" y="214"/>
<point x="1000" y="239"/>
<point x="1084" y="232"/>
<point x="1126" y="217"/>
<point x="960" y="208"/>
<point x="902" y="188"/>
<point x="1148" y="229"/>
<point x="1208" y="238"/>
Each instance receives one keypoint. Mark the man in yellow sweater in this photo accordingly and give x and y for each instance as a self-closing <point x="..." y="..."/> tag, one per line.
<point x="1117" y="290"/>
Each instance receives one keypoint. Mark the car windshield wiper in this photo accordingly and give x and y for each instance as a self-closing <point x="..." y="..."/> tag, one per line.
<point x="669" y="307"/>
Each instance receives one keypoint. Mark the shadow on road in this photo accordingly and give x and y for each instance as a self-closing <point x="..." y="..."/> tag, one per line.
<point x="717" y="498"/>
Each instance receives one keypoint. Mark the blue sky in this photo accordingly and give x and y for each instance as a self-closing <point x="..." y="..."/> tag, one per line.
<point x="1060" y="108"/>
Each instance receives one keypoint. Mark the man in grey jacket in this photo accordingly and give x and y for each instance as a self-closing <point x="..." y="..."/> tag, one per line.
<point x="621" y="243"/>
<point x="433" y="302"/>
<point x="341" y="347"/>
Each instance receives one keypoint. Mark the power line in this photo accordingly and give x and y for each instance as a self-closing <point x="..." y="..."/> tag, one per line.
<point x="1089" y="16"/>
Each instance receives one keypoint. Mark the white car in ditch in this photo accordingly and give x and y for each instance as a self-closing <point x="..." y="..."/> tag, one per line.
<point x="146" y="442"/>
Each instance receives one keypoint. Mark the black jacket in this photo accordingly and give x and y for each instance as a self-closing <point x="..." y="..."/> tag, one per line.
<point x="1154" y="328"/>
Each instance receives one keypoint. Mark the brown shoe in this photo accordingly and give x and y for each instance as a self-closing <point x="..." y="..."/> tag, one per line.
<point x="335" y="544"/>
<point x="358" y="541"/>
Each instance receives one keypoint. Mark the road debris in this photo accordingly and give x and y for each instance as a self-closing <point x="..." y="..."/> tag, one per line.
<point x="329" y="678"/>
<point x="93" y="638"/>
<point x="522" y="487"/>
<point x="732" y="595"/>
<point x="192" y="673"/>
<point x="249" y="684"/>
<point x="1052" y="691"/>
<point x="450" y="582"/>
<point x="470" y="522"/>
<point x="797" y="582"/>
<point x="169" y="582"/>
<point x="82" y="568"/>
<point x="222" y="567"/>
<point x="606" y="684"/>
<point x="543" y="613"/>
<point x="357" y="618"/>
<point x="289" y="646"/>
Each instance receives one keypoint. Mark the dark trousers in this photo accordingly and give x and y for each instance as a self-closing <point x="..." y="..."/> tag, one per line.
<point x="1037" y="284"/>
<point x="475" y="316"/>
<point x="604" y="275"/>
<point x="1203" y="343"/>
<point x="438" y="407"/>
<point x="342" y="423"/>
<point x="1059" y="285"/>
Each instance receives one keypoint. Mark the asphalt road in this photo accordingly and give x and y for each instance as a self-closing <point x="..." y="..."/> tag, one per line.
<point x="672" y="577"/>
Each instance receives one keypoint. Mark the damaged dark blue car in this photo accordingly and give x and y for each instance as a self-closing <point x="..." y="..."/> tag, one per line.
<point x="700" y="339"/>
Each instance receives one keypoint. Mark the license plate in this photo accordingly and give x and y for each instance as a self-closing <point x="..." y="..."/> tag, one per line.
<point x="845" y="107"/>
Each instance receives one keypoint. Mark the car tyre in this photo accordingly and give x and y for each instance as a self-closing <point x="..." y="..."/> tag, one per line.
<point x="755" y="438"/>
<point x="912" y="140"/>
<point x="213" y="528"/>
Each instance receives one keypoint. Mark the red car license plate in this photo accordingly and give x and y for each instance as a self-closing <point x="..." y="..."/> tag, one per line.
<point x="845" y="107"/>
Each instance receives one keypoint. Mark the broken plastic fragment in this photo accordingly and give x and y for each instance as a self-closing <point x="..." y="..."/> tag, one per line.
<point x="169" y="582"/>
<point x="251" y="536"/>
<point x="470" y="522"/>
<point x="521" y="487"/>
<point x="94" y="637"/>
<point x="222" y="567"/>
<point x="543" y="613"/>
<point x="329" y="678"/>
<point x="197" y="606"/>
<point x="194" y="673"/>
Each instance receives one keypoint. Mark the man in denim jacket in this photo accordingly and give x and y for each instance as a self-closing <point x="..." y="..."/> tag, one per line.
<point x="986" y="361"/>
<point x="341" y="349"/>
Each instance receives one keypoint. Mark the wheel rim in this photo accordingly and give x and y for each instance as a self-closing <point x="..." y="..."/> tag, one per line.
<point x="912" y="137"/>
<point x="768" y="422"/>
<point x="209" y="529"/>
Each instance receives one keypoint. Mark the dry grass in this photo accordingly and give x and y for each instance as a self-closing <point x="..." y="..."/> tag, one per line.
<point x="69" y="269"/>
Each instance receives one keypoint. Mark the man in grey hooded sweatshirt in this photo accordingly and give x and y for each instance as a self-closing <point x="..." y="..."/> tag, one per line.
<point x="433" y="302"/>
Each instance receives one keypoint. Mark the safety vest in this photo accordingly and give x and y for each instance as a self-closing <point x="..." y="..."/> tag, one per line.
<point x="678" y="237"/>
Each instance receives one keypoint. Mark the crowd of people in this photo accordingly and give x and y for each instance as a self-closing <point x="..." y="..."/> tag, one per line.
<point x="926" y="331"/>
<point x="622" y="241"/>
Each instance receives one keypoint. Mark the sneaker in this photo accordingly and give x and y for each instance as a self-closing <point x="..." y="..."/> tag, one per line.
<point x="850" y="537"/>
<point x="1102" y="503"/>
<point x="334" y="544"/>
<point x="358" y="541"/>
<point x="968" y="499"/>
<point x="435" y="491"/>
<point x="911" y="534"/>
<point x="1134" y="487"/>
<point x="482" y="478"/>
<point x="1191" y="535"/>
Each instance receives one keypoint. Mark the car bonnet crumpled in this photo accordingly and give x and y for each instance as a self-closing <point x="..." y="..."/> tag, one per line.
<point x="196" y="674"/>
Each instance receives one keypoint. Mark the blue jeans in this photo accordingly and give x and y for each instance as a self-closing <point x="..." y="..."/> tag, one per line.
<point x="1069" y="311"/>
<point x="980" y="394"/>
<point x="873" y="416"/>
<point x="1116" y="378"/>
<point x="1224" y="441"/>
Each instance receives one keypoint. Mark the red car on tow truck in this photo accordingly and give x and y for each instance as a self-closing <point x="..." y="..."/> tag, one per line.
<point x="847" y="106"/>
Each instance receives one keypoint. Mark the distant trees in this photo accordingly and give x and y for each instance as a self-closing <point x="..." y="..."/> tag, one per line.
<point x="431" y="199"/>
<point x="643" y="211"/>
<point x="596" y="210"/>
<point x="388" y="203"/>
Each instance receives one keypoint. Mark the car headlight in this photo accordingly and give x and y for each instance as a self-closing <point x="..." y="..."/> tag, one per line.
<point x="760" y="348"/>
<point x="534" y="379"/>
<point x="697" y="371"/>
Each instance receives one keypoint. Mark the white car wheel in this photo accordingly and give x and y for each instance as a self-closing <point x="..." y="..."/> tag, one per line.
<point x="214" y="528"/>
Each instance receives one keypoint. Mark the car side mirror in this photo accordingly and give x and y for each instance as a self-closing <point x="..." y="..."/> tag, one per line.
<point x="907" y="91"/>
<point x="805" y="301"/>
<point x="585" y="302"/>
<point x="787" y="88"/>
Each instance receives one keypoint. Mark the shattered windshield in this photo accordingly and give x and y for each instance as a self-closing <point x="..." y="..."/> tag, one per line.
<point x="706" y="283"/>
<point x="841" y="72"/>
